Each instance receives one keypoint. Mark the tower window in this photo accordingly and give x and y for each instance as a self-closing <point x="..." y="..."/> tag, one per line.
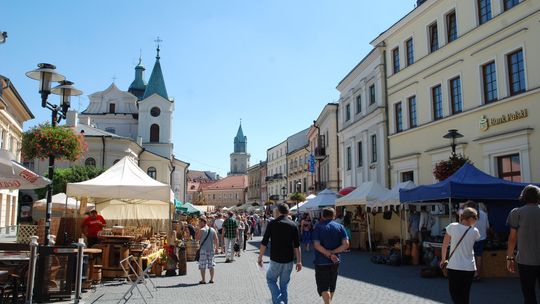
<point x="152" y="172"/>
<point x="112" y="108"/>
<point x="155" y="112"/>
<point x="154" y="133"/>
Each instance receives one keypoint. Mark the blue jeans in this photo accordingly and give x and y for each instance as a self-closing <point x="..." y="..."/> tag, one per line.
<point x="283" y="272"/>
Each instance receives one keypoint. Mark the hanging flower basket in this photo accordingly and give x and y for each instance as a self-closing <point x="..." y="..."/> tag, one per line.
<point x="445" y="168"/>
<point x="45" y="140"/>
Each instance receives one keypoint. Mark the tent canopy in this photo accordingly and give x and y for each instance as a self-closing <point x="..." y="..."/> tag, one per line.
<point x="60" y="207"/>
<point x="326" y="197"/>
<point x="466" y="183"/>
<point x="189" y="209"/>
<point x="392" y="197"/>
<point x="126" y="195"/>
<point x="367" y="192"/>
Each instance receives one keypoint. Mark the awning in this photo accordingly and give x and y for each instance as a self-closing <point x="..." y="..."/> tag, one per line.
<point x="14" y="176"/>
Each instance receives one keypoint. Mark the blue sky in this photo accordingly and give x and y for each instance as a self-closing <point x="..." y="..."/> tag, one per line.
<point x="272" y="63"/>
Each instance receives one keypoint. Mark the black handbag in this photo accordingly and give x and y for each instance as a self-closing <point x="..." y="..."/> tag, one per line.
<point x="198" y="253"/>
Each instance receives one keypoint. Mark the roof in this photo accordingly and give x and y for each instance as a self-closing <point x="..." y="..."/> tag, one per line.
<point x="229" y="182"/>
<point x="240" y="135"/>
<point x="91" y="131"/>
<point x="297" y="141"/>
<point x="203" y="176"/>
<point x="156" y="83"/>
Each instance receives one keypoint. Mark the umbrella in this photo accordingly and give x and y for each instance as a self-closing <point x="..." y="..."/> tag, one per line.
<point x="61" y="206"/>
<point x="14" y="176"/>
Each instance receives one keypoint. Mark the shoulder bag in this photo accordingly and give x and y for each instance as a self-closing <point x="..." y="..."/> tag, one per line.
<point x="445" y="264"/>
<point x="198" y="253"/>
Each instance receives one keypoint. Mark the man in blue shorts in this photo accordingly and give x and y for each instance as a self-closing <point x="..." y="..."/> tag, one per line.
<point x="329" y="240"/>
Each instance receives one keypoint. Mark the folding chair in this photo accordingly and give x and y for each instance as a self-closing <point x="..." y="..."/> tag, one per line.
<point x="142" y="278"/>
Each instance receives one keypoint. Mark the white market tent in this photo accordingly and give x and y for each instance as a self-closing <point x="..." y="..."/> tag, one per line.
<point x="126" y="195"/>
<point x="61" y="206"/>
<point x="392" y="197"/>
<point x="326" y="197"/>
<point x="365" y="194"/>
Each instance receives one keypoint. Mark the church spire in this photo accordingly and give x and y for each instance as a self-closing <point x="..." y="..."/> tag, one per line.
<point x="138" y="86"/>
<point x="240" y="141"/>
<point x="156" y="83"/>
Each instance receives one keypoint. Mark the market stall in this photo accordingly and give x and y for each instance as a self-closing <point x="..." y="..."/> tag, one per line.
<point x="361" y="196"/>
<point x="324" y="198"/>
<point x="62" y="206"/>
<point x="469" y="183"/>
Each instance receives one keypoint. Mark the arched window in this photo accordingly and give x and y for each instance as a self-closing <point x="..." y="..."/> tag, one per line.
<point x="112" y="108"/>
<point x="90" y="162"/>
<point x="152" y="172"/>
<point x="110" y="130"/>
<point x="154" y="133"/>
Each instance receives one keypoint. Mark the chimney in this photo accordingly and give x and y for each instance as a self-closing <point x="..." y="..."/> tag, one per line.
<point x="72" y="118"/>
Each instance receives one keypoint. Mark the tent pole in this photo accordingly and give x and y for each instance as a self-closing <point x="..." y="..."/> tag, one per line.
<point x="368" y="230"/>
<point x="401" y="232"/>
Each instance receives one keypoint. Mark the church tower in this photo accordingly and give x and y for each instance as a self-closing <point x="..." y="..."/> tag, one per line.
<point x="138" y="86"/>
<point x="155" y="114"/>
<point x="240" y="157"/>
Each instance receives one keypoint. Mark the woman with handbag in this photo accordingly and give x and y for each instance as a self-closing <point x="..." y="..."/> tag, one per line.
<point x="208" y="240"/>
<point x="460" y="264"/>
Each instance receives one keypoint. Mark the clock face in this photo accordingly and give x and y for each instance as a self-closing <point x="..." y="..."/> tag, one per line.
<point x="155" y="111"/>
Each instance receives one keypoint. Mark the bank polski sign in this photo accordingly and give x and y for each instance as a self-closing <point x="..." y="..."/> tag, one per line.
<point x="487" y="122"/>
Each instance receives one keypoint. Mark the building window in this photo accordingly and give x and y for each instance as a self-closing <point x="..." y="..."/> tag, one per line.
<point x="484" y="11"/>
<point x="399" y="116"/>
<point x="436" y="99"/>
<point x="360" y="154"/>
<point x="410" y="51"/>
<point x="412" y="112"/>
<point x="110" y="130"/>
<point x="395" y="59"/>
<point x="516" y="72"/>
<point x="509" y="167"/>
<point x="489" y="82"/>
<point x="407" y="176"/>
<point x="373" y="148"/>
<point x="154" y="133"/>
<point x="348" y="112"/>
<point x="451" y="27"/>
<point x="152" y="172"/>
<point x="508" y="4"/>
<point x="455" y="95"/>
<point x="112" y="108"/>
<point x="90" y="162"/>
<point x="433" y="38"/>
<point x="349" y="160"/>
<point x="358" y="104"/>
<point x="372" y="94"/>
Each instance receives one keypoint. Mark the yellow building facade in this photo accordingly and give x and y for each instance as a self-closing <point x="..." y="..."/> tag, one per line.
<point x="473" y="66"/>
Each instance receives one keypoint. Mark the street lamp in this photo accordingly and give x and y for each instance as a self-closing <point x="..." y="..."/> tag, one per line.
<point x="299" y="187"/>
<point x="3" y="37"/>
<point x="284" y="193"/>
<point x="453" y="134"/>
<point x="45" y="74"/>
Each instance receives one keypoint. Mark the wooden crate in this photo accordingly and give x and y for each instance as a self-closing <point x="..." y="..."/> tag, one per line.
<point x="494" y="265"/>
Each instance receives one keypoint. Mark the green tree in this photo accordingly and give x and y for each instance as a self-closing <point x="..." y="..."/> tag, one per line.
<point x="75" y="174"/>
<point x="298" y="197"/>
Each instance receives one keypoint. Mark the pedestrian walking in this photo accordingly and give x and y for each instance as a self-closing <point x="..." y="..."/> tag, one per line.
<point x="230" y="234"/>
<point x="460" y="263"/>
<point x="329" y="241"/>
<point x="282" y="234"/>
<point x="525" y="231"/>
<point x="208" y="240"/>
<point x="305" y="225"/>
<point x="241" y="231"/>
<point x="482" y="225"/>
<point x="218" y="225"/>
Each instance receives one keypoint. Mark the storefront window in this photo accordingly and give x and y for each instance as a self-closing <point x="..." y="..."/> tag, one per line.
<point x="509" y="167"/>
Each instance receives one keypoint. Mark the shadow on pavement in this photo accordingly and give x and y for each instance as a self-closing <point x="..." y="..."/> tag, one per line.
<point x="178" y="285"/>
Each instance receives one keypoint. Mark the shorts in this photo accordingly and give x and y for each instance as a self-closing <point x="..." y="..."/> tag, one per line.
<point x="206" y="260"/>
<point x="479" y="248"/>
<point x="326" y="277"/>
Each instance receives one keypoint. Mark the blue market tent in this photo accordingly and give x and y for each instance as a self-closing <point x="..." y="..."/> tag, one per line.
<point x="466" y="183"/>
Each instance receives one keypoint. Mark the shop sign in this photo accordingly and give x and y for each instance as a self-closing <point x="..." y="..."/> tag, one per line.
<point x="486" y="122"/>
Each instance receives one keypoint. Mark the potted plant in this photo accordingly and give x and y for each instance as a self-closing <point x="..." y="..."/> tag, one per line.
<point x="445" y="168"/>
<point x="45" y="140"/>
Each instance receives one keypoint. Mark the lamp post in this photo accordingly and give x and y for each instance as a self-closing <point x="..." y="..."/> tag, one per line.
<point x="45" y="74"/>
<point x="284" y="193"/>
<point x="3" y="37"/>
<point x="453" y="134"/>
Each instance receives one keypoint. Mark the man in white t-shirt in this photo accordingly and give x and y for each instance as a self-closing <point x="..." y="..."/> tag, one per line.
<point x="218" y="225"/>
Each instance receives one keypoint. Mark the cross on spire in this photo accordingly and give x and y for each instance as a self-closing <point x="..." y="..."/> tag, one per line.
<point x="114" y="78"/>
<point x="158" y="41"/>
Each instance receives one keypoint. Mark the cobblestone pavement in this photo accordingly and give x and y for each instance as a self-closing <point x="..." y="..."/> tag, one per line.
<point x="360" y="281"/>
